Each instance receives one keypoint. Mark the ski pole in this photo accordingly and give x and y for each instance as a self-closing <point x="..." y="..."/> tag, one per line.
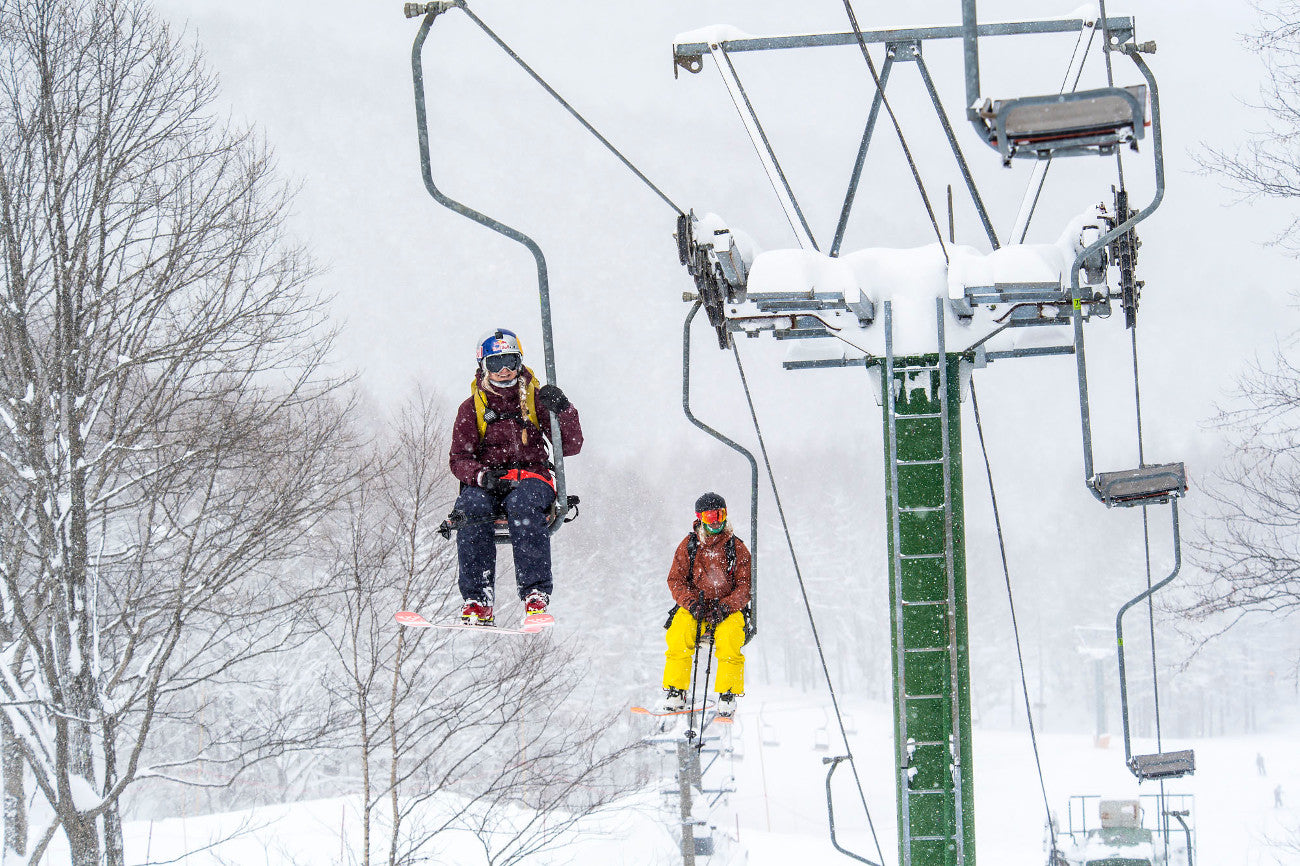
<point x="708" y="670"/>
<point x="695" y="667"/>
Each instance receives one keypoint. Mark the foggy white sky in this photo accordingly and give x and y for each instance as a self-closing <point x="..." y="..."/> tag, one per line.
<point x="330" y="85"/>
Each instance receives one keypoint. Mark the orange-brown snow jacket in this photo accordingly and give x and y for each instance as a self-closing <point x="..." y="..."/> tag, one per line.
<point x="710" y="579"/>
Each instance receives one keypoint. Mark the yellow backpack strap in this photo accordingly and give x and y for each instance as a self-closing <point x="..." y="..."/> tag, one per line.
<point x="480" y="407"/>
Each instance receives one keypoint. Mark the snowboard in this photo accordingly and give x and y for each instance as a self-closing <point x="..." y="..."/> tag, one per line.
<point x="644" y="711"/>
<point x="531" y="626"/>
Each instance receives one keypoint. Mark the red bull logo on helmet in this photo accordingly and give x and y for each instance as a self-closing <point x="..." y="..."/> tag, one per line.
<point x="497" y="343"/>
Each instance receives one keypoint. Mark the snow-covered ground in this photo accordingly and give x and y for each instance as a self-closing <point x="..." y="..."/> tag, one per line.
<point x="778" y="809"/>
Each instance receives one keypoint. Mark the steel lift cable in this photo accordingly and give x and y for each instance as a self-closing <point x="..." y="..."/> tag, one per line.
<point x="898" y="129"/>
<point x="803" y="592"/>
<point x="432" y="10"/>
<point x="1015" y="627"/>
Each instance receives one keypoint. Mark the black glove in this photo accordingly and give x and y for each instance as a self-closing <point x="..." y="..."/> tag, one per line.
<point x="716" y="612"/>
<point x="699" y="608"/>
<point x="491" y="481"/>
<point x="553" y="398"/>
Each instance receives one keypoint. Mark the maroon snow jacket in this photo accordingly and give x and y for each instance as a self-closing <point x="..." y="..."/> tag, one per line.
<point x="510" y="441"/>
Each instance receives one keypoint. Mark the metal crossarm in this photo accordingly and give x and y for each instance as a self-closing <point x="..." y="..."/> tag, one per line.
<point x="689" y="55"/>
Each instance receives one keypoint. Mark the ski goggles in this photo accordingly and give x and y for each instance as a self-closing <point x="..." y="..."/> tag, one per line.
<point x="497" y="363"/>
<point x="712" y="516"/>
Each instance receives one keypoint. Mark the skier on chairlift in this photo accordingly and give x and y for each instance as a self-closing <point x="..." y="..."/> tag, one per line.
<point x="710" y="582"/>
<point x="500" y="454"/>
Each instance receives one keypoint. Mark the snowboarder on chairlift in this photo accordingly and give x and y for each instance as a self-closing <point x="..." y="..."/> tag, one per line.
<point x="500" y="454"/>
<point x="710" y="582"/>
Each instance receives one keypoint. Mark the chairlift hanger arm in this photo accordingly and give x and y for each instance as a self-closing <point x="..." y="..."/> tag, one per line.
<point x="1157" y="144"/>
<point x="543" y="284"/>
<point x="734" y="446"/>
<point x="830" y="809"/>
<point x="1129" y="758"/>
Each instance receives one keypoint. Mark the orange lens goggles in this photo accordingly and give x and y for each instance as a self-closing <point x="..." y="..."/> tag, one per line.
<point x="715" y="515"/>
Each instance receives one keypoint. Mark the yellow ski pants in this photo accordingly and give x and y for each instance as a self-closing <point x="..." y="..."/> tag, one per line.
<point x="728" y="638"/>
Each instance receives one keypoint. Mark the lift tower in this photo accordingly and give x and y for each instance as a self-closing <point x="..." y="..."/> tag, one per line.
<point x="867" y="308"/>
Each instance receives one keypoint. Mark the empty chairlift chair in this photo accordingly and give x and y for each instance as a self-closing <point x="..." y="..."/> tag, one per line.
<point x="1146" y="485"/>
<point x="1163" y="765"/>
<point x="1064" y="124"/>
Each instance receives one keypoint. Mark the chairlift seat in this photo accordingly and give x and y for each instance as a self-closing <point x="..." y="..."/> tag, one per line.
<point x="1164" y="765"/>
<point x="1146" y="485"/>
<point x="1065" y="124"/>
<point x="500" y="528"/>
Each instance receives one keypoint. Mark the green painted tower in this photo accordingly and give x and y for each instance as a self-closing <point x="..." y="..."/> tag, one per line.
<point x="928" y="618"/>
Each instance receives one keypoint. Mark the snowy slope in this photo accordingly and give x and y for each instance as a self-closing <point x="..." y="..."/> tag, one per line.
<point x="778" y="810"/>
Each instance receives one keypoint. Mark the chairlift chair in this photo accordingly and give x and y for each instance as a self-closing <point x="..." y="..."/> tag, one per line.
<point x="1164" y="765"/>
<point x="1065" y="124"/>
<point x="501" y="527"/>
<point x="563" y="503"/>
<point x="1146" y="485"/>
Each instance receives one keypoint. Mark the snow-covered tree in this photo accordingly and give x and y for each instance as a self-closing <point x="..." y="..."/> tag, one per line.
<point x="1247" y="545"/>
<point x="167" y="431"/>
<point x="448" y="731"/>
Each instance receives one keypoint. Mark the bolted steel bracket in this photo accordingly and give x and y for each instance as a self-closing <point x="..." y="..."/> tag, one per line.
<point x="415" y="10"/>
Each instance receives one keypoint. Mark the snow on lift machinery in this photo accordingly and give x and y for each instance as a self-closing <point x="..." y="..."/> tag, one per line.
<point x="1091" y="122"/>
<point x="565" y="503"/>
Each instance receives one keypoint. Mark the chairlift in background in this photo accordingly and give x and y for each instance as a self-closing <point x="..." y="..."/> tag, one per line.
<point x="1165" y="765"/>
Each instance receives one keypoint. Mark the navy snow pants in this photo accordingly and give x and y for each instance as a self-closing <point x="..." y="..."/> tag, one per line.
<point x="525" y="508"/>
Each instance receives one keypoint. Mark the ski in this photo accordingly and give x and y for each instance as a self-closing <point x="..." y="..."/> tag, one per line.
<point x="414" y="620"/>
<point x="643" y="711"/>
